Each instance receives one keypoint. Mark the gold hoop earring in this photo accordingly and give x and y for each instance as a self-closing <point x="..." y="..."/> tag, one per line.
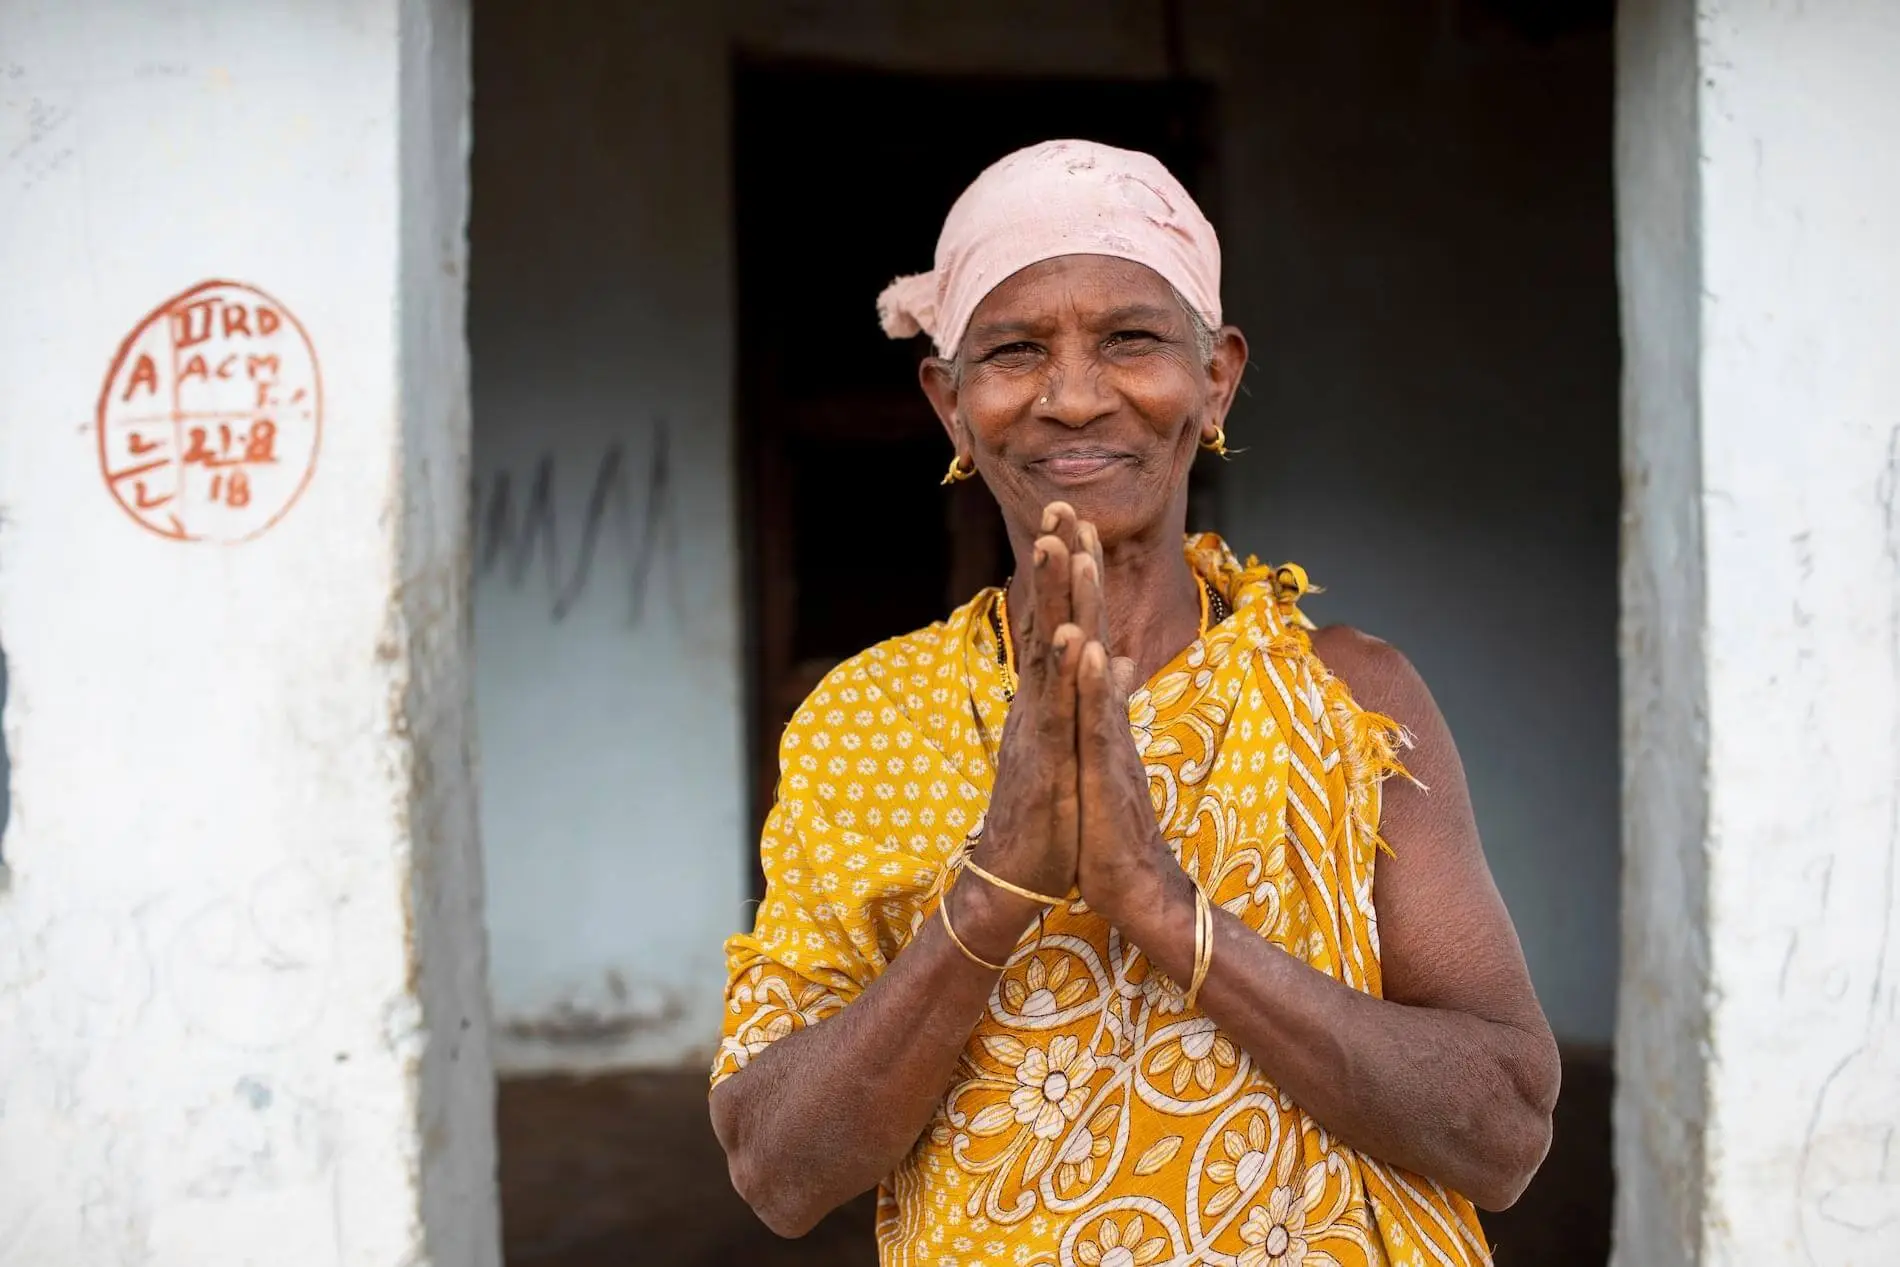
<point x="1218" y="445"/>
<point x="958" y="472"/>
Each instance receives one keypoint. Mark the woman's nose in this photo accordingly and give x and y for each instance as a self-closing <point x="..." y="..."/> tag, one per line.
<point x="1075" y="396"/>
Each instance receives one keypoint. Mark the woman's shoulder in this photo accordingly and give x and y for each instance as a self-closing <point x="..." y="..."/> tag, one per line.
<point x="1380" y="676"/>
<point x="1343" y="646"/>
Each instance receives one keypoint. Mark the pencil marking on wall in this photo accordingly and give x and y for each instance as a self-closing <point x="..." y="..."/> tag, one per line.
<point x="252" y="970"/>
<point x="210" y="417"/>
<point x="519" y="536"/>
<point x="46" y="149"/>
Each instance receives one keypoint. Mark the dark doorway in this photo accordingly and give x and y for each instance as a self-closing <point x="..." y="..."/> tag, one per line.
<point x="841" y="183"/>
<point x="1451" y="276"/>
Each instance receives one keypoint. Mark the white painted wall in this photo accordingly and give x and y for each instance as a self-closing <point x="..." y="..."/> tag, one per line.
<point x="1760" y="1033"/>
<point x="1416" y="224"/>
<point x="241" y="1015"/>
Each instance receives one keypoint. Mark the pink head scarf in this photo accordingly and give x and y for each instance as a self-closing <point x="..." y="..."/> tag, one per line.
<point x="1056" y="198"/>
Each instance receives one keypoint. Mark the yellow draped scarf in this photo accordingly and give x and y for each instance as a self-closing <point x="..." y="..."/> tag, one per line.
<point x="1095" y="1121"/>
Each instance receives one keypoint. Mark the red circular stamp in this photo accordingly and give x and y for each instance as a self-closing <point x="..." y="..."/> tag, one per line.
<point x="211" y="415"/>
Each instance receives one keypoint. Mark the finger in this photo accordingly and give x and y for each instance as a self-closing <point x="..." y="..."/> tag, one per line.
<point x="1089" y="539"/>
<point x="1052" y="605"/>
<point x="1101" y="711"/>
<point x="1092" y="699"/>
<point x="1056" y="717"/>
<point x="1059" y="737"/>
<point x="1060" y="698"/>
<point x="1085" y="594"/>
<point x="1033" y="626"/>
<point x="1017" y="725"/>
<point x="1059" y="520"/>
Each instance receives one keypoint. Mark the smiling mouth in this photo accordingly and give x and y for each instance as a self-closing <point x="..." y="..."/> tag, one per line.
<point x="1080" y="465"/>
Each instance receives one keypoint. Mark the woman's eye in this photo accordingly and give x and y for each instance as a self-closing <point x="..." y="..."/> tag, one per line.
<point x="1009" y="350"/>
<point x="1131" y="338"/>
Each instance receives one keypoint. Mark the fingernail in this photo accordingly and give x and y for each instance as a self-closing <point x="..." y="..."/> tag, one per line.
<point x="1039" y="556"/>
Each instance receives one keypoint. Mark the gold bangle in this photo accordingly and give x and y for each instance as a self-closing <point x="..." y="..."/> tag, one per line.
<point x="969" y="864"/>
<point x="1207" y="963"/>
<point x="943" y="910"/>
<point x="1203" y="944"/>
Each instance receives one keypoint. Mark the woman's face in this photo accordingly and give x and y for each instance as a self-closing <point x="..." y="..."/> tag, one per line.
<point x="1080" y="382"/>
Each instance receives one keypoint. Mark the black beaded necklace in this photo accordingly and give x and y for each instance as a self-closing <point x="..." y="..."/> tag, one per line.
<point x="1214" y="609"/>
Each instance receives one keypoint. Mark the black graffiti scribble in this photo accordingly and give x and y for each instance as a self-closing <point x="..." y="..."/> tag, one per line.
<point x="645" y="526"/>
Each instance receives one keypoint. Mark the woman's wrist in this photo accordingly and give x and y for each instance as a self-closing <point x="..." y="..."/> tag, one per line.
<point x="990" y="921"/>
<point x="1154" y="909"/>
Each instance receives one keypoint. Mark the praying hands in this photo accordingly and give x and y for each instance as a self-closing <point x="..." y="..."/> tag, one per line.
<point x="1071" y="811"/>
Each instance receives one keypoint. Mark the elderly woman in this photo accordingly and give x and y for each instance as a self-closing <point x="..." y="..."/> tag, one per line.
<point x="1094" y="931"/>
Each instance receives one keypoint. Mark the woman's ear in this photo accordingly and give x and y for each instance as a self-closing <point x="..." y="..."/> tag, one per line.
<point x="1223" y="372"/>
<point x="939" y="380"/>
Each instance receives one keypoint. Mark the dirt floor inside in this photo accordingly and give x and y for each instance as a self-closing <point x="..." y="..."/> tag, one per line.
<point x="624" y="1171"/>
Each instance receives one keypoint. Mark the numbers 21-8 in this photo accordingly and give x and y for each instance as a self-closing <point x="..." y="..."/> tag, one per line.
<point x="233" y="449"/>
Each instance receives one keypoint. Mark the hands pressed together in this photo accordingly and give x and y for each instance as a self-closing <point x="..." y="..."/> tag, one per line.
<point x="1071" y="810"/>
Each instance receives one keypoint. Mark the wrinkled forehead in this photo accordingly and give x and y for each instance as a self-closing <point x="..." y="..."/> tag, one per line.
<point x="1082" y="289"/>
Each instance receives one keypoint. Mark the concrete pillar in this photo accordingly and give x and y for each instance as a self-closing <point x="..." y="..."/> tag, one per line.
<point x="1758" y="1111"/>
<point x="242" y="1015"/>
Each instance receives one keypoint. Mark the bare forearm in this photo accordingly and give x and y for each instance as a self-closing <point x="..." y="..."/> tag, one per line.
<point x="826" y="1113"/>
<point x="1456" y="1097"/>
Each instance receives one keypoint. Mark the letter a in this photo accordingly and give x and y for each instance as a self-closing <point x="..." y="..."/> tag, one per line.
<point x="144" y="372"/>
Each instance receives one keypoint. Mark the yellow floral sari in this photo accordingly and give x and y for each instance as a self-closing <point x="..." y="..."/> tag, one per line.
<point x="1095" y="1120"/>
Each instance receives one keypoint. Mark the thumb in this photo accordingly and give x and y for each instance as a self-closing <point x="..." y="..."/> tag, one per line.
<point x="1121" y="671"/>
